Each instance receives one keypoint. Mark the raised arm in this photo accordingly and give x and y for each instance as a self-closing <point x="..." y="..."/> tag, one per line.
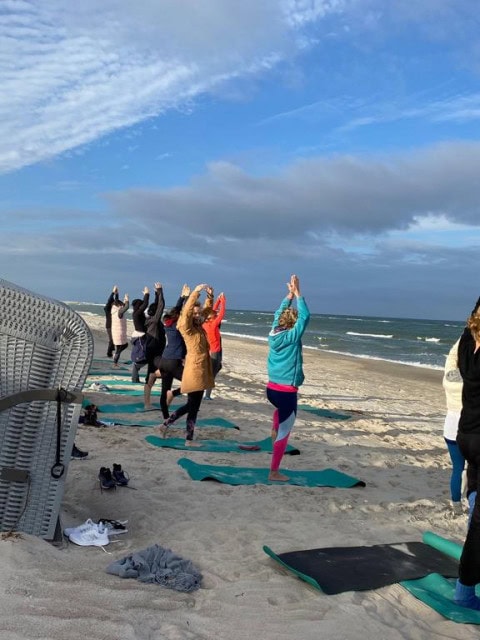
<point x="185" y="321"/>
<point x="159" y="301"/>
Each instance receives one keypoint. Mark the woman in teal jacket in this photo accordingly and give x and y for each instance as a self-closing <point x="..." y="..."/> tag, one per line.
<point x="285" y="370"/>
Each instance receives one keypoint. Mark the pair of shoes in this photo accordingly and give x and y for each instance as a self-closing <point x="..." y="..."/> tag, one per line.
<point x="78" y="454"/>
<point x="111" y="479"/>
<point x="88" y="534"/>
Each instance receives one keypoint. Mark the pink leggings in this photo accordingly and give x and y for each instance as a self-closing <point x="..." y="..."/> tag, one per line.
<point x="283" y="421"/>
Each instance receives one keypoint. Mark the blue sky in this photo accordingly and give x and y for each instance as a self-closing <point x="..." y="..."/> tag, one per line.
<point x="237" y="143"/>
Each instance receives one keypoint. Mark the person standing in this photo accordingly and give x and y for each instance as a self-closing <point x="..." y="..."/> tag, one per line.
<point x="139" y="307"/>
<point x="213" y="321"/>
<point x="119" y="327"/>
<point x="468" y="440"/>
<point x="173" y="357"/>
<point x="285" y="370"/>
<point x="155" y="337"/>
<point x="197" y="373"/>
<point x="452" y="385"/>
<point x="108" y="319"/>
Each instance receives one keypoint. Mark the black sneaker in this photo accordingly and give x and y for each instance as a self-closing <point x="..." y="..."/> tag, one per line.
<point x="77" y="454"/>
<point x="119" y="475"/>
<point x="106" y="479"/>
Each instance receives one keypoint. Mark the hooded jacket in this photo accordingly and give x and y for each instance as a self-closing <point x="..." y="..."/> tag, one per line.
<point x="285" y="358"/>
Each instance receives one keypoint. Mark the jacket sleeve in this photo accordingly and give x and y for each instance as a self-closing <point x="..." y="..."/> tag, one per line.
<point x="286" y="302"/>
<point x="185" y="321"/>
<point x="160" y="302"/>
<point x="108" y="305"/>
<point x="220" y="306"/>
<point x="123" y="310"/>
<point x="144" y="305"/>
<point x="451" y="363"/>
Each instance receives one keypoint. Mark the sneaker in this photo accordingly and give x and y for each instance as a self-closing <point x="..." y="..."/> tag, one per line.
<point x="77" y="454"/>
<point x="114" y="527"/>
<point x="119" y="475"/>
<point x="86" y="526"/>
<point x="94" y="537"/>
<point x="106" y="479"/>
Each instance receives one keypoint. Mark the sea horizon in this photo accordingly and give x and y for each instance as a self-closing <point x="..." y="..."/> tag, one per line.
<point x="408" y="341"/>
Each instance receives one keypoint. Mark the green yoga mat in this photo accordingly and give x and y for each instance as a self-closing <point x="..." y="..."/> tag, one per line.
<point x="207" y="422"/>
<point x="116" y="383"/>
<point x="219" y="445"/>
<point x="324" y="413"/>
<point x="132" y="407"/>
<point x="436" y="591"/>
<point x="248" y="475"/>
<point x="111" y="372"/>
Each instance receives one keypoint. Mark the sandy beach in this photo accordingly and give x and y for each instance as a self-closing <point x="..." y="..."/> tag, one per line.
<point x="393" y="442"/>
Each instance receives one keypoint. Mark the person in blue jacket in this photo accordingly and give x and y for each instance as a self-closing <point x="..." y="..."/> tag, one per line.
<point x="285" y="370"/>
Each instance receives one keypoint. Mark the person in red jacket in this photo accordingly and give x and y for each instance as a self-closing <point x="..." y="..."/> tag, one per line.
<point x="211" y="326"/>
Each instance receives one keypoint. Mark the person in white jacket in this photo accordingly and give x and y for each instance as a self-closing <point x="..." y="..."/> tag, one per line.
<point x="452" y="385"/>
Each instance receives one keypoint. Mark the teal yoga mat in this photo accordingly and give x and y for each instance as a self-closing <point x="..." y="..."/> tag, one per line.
<point x="219" y="445"/>
<point x="207" y="422"/>
<point x="436" y="591"/>
<point x="132" y="407"/>
<point x="249" y="475"/>
<point x="112" y="372"/>
<point x="324" y="413"/>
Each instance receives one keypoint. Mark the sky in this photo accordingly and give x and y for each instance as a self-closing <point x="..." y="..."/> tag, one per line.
<point x="235" y="143"/>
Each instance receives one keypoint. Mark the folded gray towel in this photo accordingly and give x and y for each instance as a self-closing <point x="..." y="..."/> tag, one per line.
<point x="158" y="565"/>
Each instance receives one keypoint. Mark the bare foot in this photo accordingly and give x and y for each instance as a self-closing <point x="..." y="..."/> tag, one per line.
<point x="275" y="476"/>
<point x="169" y="397"/>
<point x="163" y="430"/>
<point x="190" y="443"/>
<point x="114" y="365"/>
<point x="148" y="407"/>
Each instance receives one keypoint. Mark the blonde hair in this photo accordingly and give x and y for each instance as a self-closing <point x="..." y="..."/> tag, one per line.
<point x="473" y="323"/>
<point x="288" y="318"/>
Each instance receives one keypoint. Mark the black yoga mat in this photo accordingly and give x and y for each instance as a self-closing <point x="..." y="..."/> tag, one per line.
<point x="338" y="569"/>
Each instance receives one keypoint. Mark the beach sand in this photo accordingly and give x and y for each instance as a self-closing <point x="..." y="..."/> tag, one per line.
<point x="393" y="442"/>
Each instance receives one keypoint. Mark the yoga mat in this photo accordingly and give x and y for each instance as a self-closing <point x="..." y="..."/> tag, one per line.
<point x="338" y="569"/>
<point x="247" y="475"/>
<point x="114" y="383"/>
<point x="219" y="445"/>
<point x="324" y="413"/>
<point x="216" y="422"/>
<point x="448" y="547"/>
<point x="132" y="407"/>
<point x="112" y="372"/>
<point x="207" y="422"/>
<point x="436" y="591"/>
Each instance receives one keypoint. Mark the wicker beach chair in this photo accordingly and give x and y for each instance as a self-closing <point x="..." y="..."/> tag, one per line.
<point x="45" y="352"/>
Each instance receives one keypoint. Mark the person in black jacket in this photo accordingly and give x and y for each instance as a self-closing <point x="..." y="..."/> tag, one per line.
<point x="468" y="440"/>
<point x="155" y="335"/>
<point x="171" y="364"/>
<point x="113" y="297"/>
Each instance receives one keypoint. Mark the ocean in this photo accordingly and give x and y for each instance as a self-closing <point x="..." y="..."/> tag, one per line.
<point x="423" y="343"/>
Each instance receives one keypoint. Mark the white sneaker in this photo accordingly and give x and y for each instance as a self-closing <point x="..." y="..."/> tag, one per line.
<point x="94" y="537"/>
<point x="86" y="526"/>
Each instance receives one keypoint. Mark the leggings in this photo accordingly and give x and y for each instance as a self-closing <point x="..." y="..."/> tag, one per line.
<point x="469" y="568"/>
<point x="118" y="350"/>
<point x="458" y="465"/>
<point x="170" y="369"/>
<point x="191" y="408"/>
<point x="283" y="421"/>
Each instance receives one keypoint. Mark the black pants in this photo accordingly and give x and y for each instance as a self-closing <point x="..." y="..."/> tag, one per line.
<point x="469" y="569"/>
<point x="191" y="408"/>
<point x="111" y="346"/>
<point x="171" y="370"/>
<point x="118" y="350"/>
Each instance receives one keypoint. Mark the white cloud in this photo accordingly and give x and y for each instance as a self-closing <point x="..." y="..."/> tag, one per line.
<point x="72" y="72"/>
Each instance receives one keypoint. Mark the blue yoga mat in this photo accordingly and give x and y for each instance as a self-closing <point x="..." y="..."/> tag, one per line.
<point x="225" y="446"/>
<point x="249" y="475"/>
